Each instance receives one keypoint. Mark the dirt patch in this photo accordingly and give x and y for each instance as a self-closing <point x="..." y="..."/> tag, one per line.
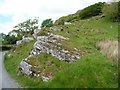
<point x="109" y="48"/>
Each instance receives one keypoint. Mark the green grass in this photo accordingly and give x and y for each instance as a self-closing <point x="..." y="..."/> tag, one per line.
<point x="92" y="70"/>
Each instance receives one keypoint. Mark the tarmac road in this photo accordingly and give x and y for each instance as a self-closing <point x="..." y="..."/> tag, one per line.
<point x="5" y="79"/>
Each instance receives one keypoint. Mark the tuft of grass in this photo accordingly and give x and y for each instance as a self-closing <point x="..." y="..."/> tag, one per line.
<point x="109" y="48"/>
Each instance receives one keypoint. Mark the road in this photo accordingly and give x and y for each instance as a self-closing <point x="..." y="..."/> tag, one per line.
<point x="5" y="80"/>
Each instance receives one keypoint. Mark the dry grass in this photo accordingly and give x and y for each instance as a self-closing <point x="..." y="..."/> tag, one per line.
<point x="109" y="48"/>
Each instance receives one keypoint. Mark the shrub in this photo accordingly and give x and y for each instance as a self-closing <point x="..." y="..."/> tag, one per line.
<point x="47" y="23"/>
<point x="111" y="11"/>
<point x="60" y="21"/>
<point x="92" y="10"/>
<point x="68" y="18"/>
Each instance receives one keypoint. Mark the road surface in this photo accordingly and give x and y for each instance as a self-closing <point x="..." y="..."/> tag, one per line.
<point x="5" y="80"/>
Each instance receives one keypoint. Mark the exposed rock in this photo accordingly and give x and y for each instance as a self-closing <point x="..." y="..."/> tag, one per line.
<point x="9" y="55"/>
<point x="57" y="36"/>
<point x="24" y="39"/>
<point x="102" y="16"/>
<point x="55" y="28"/>
<point x="51" y="45"/>
<point x="45" y="79"/>
<point x="25" y="68"/>
<point x="19" y="42"/>
<point x="36" y="31"/>
<point x="27" y="39"/>
<point x="67" y="23"/>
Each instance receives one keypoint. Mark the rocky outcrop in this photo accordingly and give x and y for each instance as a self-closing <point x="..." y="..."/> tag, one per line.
<point x="46" y="79"/>
<point x="67" y="23"/>
<point x="19" y="42"/>
<point x="25" y="68"/>
<point x="36" y="31"/>
<point x="55" y="28"/>
<point x="50" y="44"/>
<point x="24" y="39"/>
<point x="27" y="39"/>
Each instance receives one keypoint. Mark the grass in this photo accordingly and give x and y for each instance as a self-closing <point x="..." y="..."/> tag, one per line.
<point x="92" y="70"/>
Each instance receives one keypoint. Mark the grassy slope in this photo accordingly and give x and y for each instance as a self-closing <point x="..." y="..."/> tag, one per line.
<point x="92" y="70"/>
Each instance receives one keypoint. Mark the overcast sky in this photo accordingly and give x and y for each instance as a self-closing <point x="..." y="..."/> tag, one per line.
<point x="13" y="12"/>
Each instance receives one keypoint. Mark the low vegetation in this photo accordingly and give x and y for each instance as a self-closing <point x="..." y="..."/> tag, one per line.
<point x="109" y="48"/>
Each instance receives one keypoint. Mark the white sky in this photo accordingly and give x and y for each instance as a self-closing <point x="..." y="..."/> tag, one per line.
<point x="17" y="11"/>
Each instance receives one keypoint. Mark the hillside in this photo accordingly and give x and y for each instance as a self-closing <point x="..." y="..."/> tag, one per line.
<point x="92" y="68"/>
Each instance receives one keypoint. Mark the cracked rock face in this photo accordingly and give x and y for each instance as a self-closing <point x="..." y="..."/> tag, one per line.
<point x="50" y="45"/>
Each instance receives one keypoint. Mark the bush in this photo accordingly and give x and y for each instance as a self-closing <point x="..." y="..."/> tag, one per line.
<point x="111" y="11"/>
<point x="92" y="10"/>
<point x="68" y="18"/>
<point x="60" y="21"/>
<point x="47" y="23"/>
